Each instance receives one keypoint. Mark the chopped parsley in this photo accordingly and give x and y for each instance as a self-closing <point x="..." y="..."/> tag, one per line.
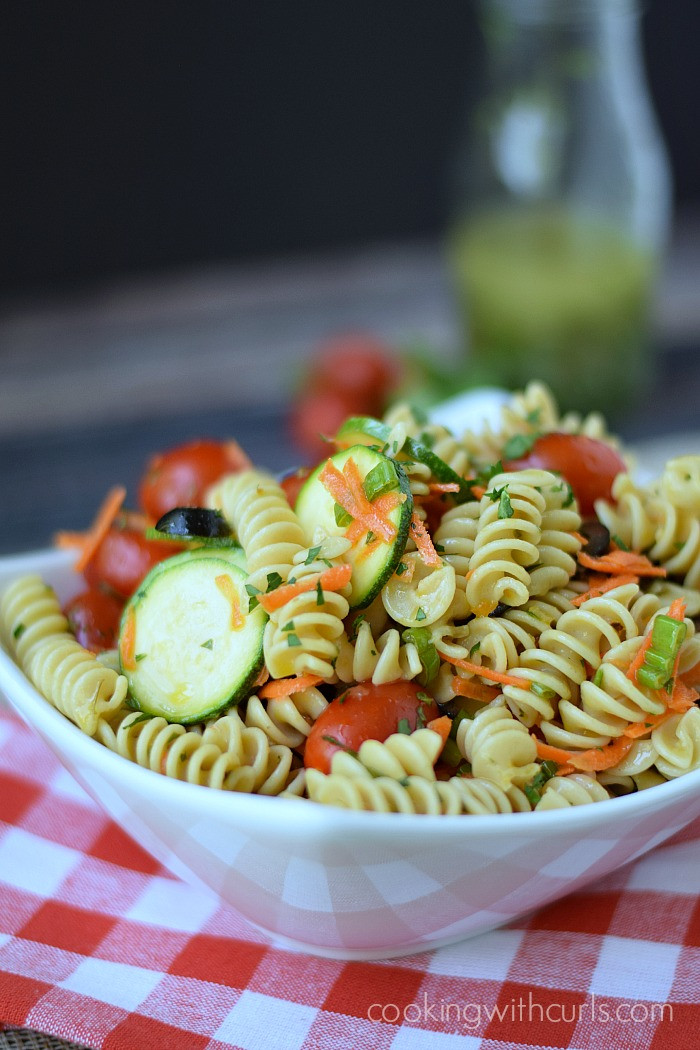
<point x="342" y="517"/>
<point x="142" y="656"/>
<point x="421" y="614"/>
<point x="533" y="790"/>
<point x="312" y="555"/>
<point x="404" y="726"/>
<point x="19" y="630"/>
<point x="293" y="640"/>
<point x="519" y="445"/>
<point x="401" y="568"/>
<point x="143" y="717"/>
<point x="320" y="596"/>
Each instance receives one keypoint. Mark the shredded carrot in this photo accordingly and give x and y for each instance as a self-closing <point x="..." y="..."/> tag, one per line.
<point x="594" y="760"/>
<point x="683" y="696"/>
<point x="423" y="542"/>
<point x="346" y="489"/>
<point x="228" y="589"/>
<point x="638" y="659"/>
<point x="621" y="563"/>
<point x="330" y="580"/>
<point x="564" y="771"/>
<point x="441" y="725"/>
<point x="583" y="540"/>
<point x="487" y="672"/>
<point x="65" y="540"/>
<point x="473" y="690"/>
<point x="600" y="584"/>
<point x="638" y="729"/>
<point x="443" y="486"/>
<point x="676" y="609"/>
<point x="478" y="491"/>
<point x="549" y="753"/>
<point x="88" y="542"/>
<point x="691" y="676"/>
<point x="597" y="759"/>
<point x="127" y="642"/>
<point x="280" y="687"/>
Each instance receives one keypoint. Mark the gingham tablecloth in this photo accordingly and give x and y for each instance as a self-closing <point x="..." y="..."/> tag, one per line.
<point x="101" y="946"/>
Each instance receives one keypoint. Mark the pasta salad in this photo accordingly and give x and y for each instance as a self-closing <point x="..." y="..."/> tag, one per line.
<point x="425" y="622"/>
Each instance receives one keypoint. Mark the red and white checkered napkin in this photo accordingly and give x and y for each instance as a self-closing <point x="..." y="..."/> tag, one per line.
<point x="100" y="945"/>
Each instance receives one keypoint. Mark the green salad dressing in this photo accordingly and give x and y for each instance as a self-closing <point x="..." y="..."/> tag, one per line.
<point x="550" y="296"/>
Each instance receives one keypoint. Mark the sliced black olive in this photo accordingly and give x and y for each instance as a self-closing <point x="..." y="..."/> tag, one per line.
<point x="598" y="537"/>
<point x="500" y="609"/>
<point x="194" y="521"/>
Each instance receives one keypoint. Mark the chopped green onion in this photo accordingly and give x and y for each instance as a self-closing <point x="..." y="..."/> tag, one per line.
<point x="427" y="653"/>
<point x="519" y="445"/>
<point x="667" y="636"/>
<point x="533" y="790"/>
<point x="342" y="518"/>
<point x="380" y="479"/>
<point x="542" y="691"/>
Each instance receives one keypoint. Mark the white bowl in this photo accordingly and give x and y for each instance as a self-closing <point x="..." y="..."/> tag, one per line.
<point x="339" y="883"/>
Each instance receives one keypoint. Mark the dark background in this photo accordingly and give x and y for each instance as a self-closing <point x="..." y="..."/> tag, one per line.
<point x="152" y="135"/>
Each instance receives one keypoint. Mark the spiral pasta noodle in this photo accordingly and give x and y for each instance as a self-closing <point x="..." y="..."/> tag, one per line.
<point x="74" y="681"/>
<point x="474" y="608"/>
<point x="302" y="636"/>
<point x="458" y="795"/>
<point x="379" y="660"/>
<point x="556" y="667"/>
<point x="577" y="789"/>
<point x="29" y="613"/>
<point x="266" y="526"/>
<point x="498" y="747"/>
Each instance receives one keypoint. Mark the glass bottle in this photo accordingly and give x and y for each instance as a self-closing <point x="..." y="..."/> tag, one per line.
<point x="564" y="203"/>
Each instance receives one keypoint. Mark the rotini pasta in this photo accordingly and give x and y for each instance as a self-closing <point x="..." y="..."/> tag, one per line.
<point x="429" y="632"/>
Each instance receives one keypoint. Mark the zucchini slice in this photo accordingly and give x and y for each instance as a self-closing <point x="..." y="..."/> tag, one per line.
<point x="188" y="646"/>
<point x="366" y="430"/>
<point x="317" y="508"/>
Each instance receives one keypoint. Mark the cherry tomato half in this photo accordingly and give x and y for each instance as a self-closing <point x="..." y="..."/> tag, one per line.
<point x="123" y="558"/>
<point x="590" y="466"/>
<point x="94" y="619"/>
<point x="316" y="415"/>
<point x="293" y="483"/>
<point x="365" y="712"/>
<point x="181" y="476"/>
<point x="360" y="366"/>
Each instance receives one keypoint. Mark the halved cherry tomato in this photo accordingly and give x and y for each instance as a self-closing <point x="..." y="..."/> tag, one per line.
<point x="123" y="558"/>
<point x="181" y="476"/>
<point x="316" y="415"/>
<point x="94" y="618"/>
<point x="590" y="466"/>
<point x="360" y="366"/>
<point x="365" y="712"/>
<point x="293" y="483"/>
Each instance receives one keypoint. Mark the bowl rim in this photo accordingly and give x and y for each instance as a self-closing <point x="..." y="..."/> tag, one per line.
<point x="86" y="751"/>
